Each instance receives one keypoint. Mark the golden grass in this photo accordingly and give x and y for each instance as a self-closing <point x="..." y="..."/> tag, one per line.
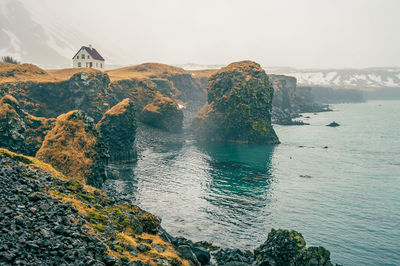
<point x="159" y="101"/>
<point x="28" y="72"/>
<point x="169" y="252"/>
<point x="67" y="73"/>
<point x="67" y="146"/>
<point x="78" y="204"/>
<point x="144" y="71"/>
<point x="7" y="112"/>
<point x="119" y="108"/>
<point x="206" y="73"/>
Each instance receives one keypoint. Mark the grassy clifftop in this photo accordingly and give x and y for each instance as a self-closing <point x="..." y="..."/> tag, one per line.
<point x="29" y="72"/>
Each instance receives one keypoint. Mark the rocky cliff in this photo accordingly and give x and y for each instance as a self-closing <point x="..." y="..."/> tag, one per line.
<point x="238" y="107"/>
<point x="19" y="131"/>
<point x="163" y="113"/>
<point x="290" y="100"/>
<point x="50" y="94"/>
<point x="118" y="129"/>
<point x="157" y="86"/>
<point x="74" y="147"/>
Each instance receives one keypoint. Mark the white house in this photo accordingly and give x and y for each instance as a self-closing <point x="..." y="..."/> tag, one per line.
<point x="88" y="57"/>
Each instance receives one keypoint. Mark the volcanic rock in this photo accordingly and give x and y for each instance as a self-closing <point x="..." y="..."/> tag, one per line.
<point x="118" y="129"/>
<point x="239" y="106"/>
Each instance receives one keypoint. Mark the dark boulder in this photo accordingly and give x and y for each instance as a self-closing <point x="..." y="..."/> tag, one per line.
<point x="227" y="255"/>
<point x="202" y="255"/>
<point x="284" y="247"/>
<point x="186" y="252"/>
<point x="333" y="124"/>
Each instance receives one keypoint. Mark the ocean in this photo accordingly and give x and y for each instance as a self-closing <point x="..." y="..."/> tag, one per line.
<point x="339" y="187"/>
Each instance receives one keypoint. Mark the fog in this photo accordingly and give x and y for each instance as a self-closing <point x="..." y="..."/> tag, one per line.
<point x="305" y="34"/>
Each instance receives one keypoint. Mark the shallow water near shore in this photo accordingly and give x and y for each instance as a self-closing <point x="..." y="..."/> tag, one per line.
<point x="339" y="187"/>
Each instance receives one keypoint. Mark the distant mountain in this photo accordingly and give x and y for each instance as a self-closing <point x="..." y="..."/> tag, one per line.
<point x="193" y="66"/>
<point x="34" y="38"/>
<point x="26" y="40"/>
<point x="368" y="78"/>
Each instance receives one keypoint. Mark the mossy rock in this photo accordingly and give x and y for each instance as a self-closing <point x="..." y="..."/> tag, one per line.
<point x="238" y="108"/>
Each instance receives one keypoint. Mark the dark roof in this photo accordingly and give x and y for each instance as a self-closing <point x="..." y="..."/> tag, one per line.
<point x="92" y="52"/>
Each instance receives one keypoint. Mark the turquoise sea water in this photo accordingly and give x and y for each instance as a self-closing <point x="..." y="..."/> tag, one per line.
<point x="345" y="197"/>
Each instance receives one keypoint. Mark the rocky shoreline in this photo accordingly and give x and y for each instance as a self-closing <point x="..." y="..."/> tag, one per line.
<point x="47" y="219"/>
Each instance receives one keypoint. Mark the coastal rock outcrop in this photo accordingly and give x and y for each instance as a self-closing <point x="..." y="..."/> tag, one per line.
<point x="163" y="113"/>
<point x="74" y="147"/>
<point x="333" y="124"/>
<point x="118" y="128"/>
<point x="290" y="100"/>
<point x="152" y="84"/>
<point x="284" y="247"/>
<point x="19" y="131"/>
<point x="238" y="108"/>
<point x="49" y="95"/>
<point x="48" y="219"/>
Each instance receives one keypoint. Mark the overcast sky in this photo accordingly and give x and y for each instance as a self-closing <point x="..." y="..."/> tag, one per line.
<point x="299" y="33"/>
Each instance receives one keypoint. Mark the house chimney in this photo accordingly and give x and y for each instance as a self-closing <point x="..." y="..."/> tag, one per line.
<point x="90" y="46"/>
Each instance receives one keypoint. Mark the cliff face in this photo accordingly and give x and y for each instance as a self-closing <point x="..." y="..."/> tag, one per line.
<point x="284" y="91"/>
<point x="49" y="95"/>
<point x="118" y="129"/>
<point x="239" y="106"/>
<point x="290" y="100"/>
<point x="19" y="131"/>
<point x="74" y="148"/>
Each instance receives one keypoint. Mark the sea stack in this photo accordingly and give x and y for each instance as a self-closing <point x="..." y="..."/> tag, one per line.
<point x="118" y="131"/>
<point x="238" y="108"/>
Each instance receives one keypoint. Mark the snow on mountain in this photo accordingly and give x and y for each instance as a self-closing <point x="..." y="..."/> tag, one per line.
<point x="368" y="78"/>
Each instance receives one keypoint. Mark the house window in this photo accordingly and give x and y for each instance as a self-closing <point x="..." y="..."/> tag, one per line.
<point x="83" y="56"/>
<point x="101" y="65"/>
<point x="88" y="57"/>
<point x="79" y="64"/>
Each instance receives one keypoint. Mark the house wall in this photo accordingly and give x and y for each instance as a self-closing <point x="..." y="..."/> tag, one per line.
<point x="97" y="64"/>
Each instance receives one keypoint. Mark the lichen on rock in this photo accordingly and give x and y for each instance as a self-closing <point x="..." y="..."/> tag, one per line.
<point x="118" y="128"/>
<point x="284" y="247"/>
<point x="239" y="105"/>
<point x="74" y="147"/>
